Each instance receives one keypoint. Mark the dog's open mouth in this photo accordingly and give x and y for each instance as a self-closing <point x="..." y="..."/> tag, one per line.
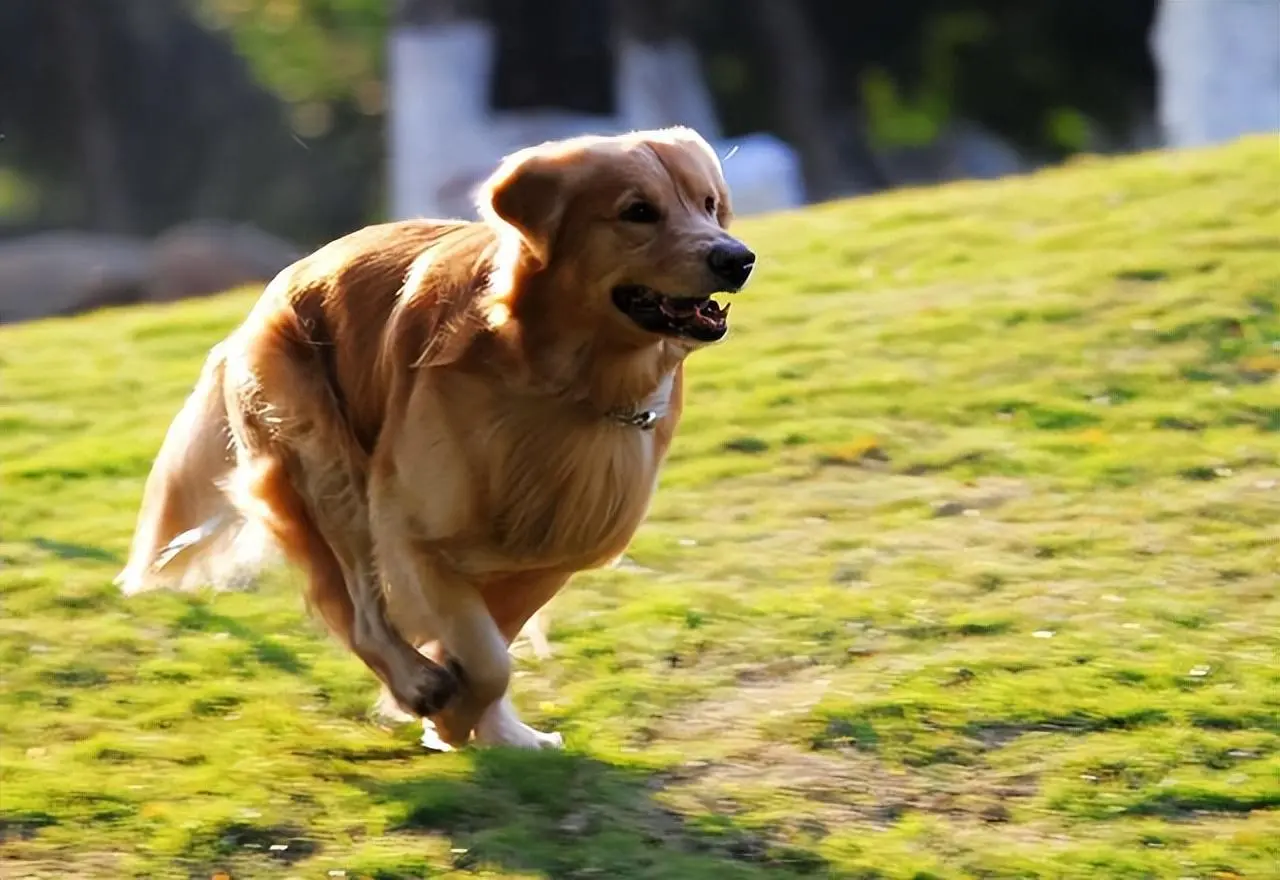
<point x="697" y="317"/>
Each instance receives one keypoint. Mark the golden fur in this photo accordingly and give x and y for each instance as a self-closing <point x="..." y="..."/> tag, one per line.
<point x="420" y="416"/>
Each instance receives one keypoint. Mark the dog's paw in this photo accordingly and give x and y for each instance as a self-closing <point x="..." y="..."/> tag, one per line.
<point x="523" y="737"/>
<point x="500" y="726"/>
<point x="431" y="738"/>
<point x="545" y="740"/>
<point x="434" y="688"/>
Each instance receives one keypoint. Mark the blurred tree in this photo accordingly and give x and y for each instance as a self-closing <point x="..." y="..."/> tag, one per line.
<point x="132" y="115"/>
<point x="1028" y="71"/>
<point x="315" y="52"/>
<point x="135" y="113"/>
<point x="651" y="21"/>
<point x="1025" y="71"/>
<point x="553" y="55"/>
<point x="107" y="206"/>
<point x="796" y="60"/>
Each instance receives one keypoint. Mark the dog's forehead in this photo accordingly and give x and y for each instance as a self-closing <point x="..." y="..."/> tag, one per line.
<point x="685" y="166"/>
<point x="692" y="165"/>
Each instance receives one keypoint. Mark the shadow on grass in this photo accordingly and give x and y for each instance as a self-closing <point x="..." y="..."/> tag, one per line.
<point x="74" y="552"/>
<point x="536" y="814"/>
<point x="200" y="617"/>
<point x="546" y="814"/>
<point x="561" y="814"/>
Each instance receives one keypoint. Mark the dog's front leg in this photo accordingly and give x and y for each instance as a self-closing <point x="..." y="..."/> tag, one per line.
<point x="511" y="602"/>
<point x="424" y="595"/>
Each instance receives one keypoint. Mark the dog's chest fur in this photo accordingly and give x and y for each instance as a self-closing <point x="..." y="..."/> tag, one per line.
<point x="571" y="492"/>
<point x="573" y="499"/>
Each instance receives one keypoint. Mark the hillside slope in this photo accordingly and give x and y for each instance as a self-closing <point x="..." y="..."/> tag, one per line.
<point x="965" y="564"/>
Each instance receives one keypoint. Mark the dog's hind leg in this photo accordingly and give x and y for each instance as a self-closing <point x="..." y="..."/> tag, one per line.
<point x="303" y="473"/>
<point x="188" y="533"/>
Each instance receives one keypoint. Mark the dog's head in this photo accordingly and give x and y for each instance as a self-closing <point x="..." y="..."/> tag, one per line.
<point x="628" y="233"/>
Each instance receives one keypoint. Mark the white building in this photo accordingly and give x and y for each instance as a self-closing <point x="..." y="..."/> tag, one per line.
<point x="444" y="138"/>
<point x="1218" y="66"/>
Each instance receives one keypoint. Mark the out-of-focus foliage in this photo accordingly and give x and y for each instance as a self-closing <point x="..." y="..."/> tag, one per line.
<point x="1027" y="71"/>
<point x="1031" y="72"/>
<point x="193" y="125"/>
<point x="310" y="52"/>
<point x="272" y="110"/>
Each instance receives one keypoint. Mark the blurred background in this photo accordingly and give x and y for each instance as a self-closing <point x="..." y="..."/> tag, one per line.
<point x="964" y="564"/>
<point x="160" y="149"/>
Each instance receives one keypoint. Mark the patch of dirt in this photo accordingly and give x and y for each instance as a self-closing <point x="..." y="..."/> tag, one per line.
<point x="788" y="686"/>
<point x="744" y="765"/>
<point x="987" y="493"/>
<point x="89" y="866"/>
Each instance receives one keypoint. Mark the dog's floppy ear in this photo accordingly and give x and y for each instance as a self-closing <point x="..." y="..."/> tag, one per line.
<point x="527" y="193"/>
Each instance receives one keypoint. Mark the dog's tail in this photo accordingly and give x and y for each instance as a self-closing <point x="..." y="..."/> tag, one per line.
<point x="189" y="534"/>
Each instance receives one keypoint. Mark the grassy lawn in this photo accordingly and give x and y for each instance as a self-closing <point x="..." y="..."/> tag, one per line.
<point x="966" y="564"/>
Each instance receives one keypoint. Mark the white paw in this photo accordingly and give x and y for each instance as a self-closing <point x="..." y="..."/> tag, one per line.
<point x="431" y="738"/>
<point x="538" y="739"/>
<point x="519" y="736"/>
<point x="522" y="737"/>
<point x="498" y="726"/>
<point x="501" y="726"/>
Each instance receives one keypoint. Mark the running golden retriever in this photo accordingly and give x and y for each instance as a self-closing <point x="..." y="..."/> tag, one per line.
<point x="442" y="421"/>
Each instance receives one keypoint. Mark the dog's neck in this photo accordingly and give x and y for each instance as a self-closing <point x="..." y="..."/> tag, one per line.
<point x="609" y="381"/>
<point x="572" y="360"/>
<point x="613" y="382"/>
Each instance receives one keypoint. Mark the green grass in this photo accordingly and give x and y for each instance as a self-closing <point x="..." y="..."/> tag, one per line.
<point x="966" y="565"/>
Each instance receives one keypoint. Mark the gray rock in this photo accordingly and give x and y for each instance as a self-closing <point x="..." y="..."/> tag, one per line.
<point x="209" y="256"/>
<point x="62" y="273"/>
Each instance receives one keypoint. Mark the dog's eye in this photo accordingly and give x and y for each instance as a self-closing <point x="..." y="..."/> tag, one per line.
<point x="640" y="212"/>
<point x="711" y="204"/>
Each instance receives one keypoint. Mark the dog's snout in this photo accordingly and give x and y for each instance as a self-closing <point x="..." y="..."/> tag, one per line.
<point x="731" y="262"/>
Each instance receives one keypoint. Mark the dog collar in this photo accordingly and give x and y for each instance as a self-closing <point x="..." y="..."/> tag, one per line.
<point x="643" y="419"/>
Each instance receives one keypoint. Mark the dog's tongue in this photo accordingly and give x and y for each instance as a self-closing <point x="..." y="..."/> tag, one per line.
<point x="705" y="312"/>
<point x="679" y="309"/>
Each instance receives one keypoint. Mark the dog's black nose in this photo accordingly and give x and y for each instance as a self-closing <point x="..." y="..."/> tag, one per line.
<point x="731" y="262"/>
